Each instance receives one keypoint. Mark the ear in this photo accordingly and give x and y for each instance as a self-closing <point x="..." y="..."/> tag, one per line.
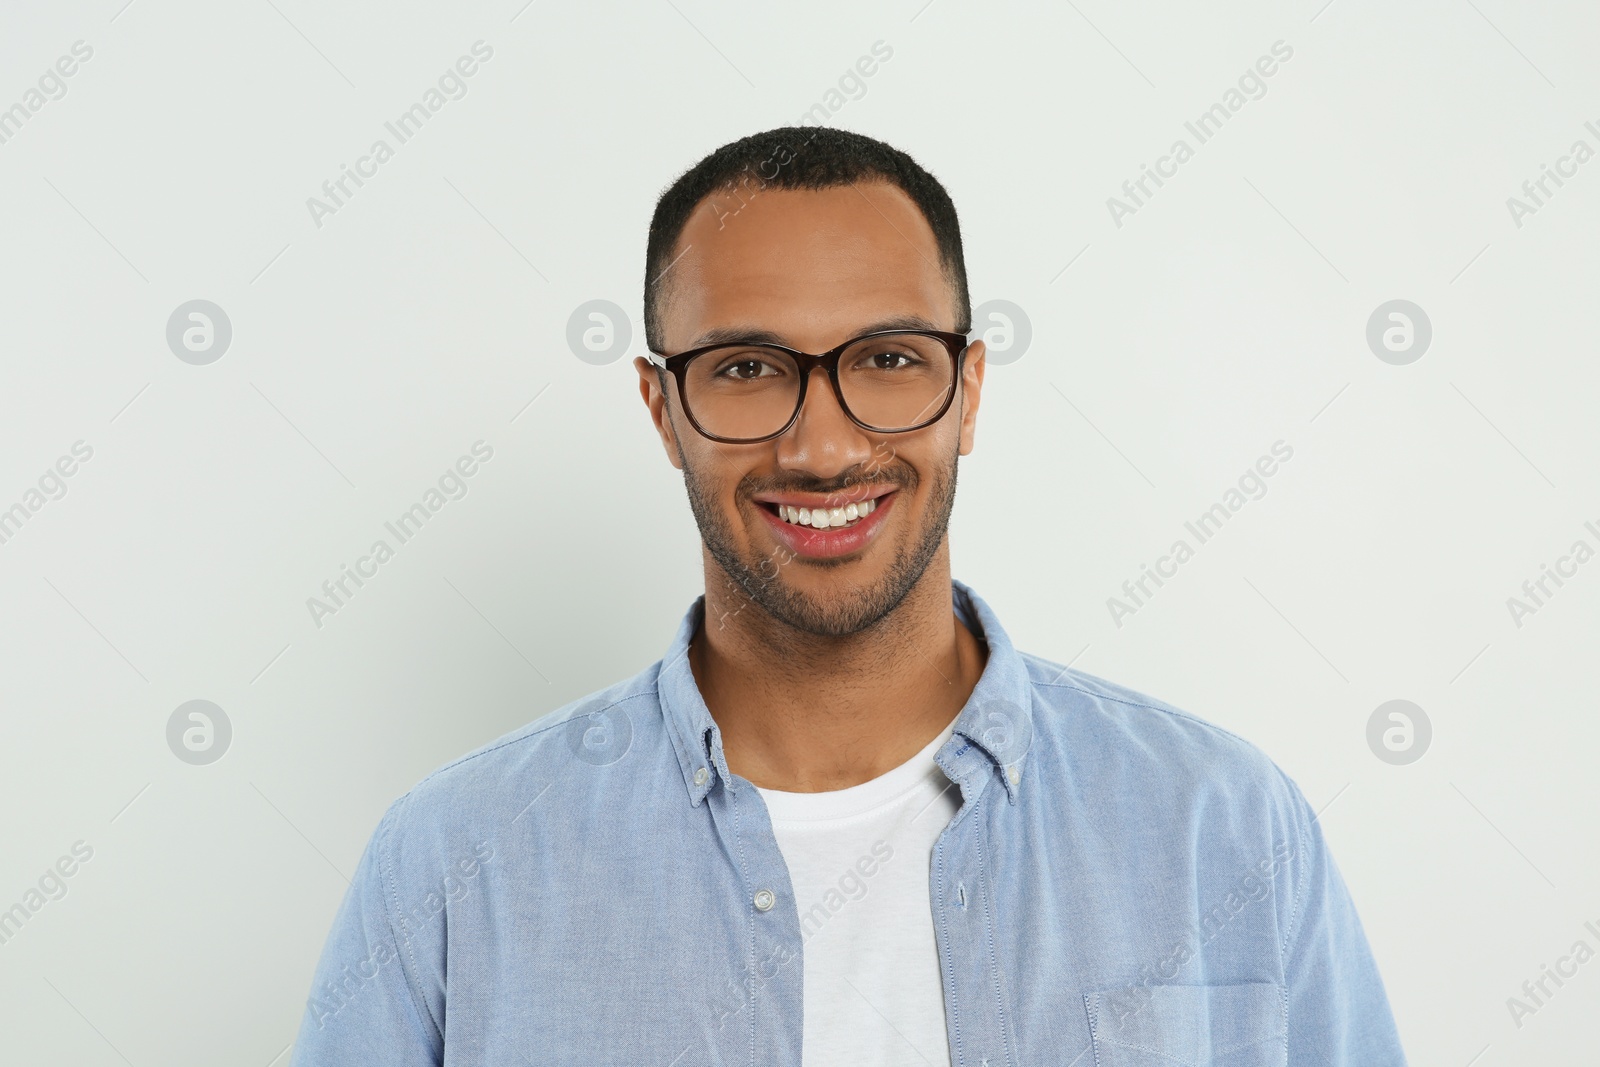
<point x="972" y="369"/>
<point x="654" y="399"/>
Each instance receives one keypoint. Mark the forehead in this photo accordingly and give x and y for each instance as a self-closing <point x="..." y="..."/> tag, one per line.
<point x="812" y="265"/>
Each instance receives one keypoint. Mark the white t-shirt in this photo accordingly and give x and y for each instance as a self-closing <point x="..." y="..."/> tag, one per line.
<point x="858" y="859"/>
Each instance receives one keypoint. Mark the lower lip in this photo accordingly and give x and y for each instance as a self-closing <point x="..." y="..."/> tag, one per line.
<point x="835" y="541"/>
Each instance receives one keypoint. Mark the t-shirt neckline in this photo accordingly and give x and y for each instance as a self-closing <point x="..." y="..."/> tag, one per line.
<point x="857" y="800"/>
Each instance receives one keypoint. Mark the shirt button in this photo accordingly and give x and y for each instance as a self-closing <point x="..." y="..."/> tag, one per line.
<point x="1013" y="774"/>
<point x="765" y="900"/>
<point x="700" y="776"/>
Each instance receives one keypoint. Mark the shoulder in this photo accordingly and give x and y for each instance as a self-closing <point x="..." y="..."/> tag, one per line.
<point x="1156" y="773"/>
<point x="1122" y="737"/>
<point x="458" y="829"/>
<point x="486" y="790"/>
<point x="1077" y="702"/>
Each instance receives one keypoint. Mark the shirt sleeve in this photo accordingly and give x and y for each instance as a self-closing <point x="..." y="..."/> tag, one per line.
<point x="365" y="1008"/>
<point x="1338" y="1013"/>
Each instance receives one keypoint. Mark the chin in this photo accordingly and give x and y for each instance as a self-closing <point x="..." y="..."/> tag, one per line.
<point x="840" y="597"/>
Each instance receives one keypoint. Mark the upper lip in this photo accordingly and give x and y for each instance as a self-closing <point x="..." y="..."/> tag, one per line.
<point x="826" y="500"/>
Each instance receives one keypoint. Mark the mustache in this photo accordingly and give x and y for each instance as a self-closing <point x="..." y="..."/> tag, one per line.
<point x="840" y="484"/>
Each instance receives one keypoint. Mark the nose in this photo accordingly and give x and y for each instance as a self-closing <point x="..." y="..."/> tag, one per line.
<point x="823" y="442"/>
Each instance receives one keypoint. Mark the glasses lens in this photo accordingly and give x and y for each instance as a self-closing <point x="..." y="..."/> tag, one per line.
<point x="742" y="391"/>
<point x="896" y="381"/>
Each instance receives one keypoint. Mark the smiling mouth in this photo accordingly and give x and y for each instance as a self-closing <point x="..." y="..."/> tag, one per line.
<point x="823" y="518"/>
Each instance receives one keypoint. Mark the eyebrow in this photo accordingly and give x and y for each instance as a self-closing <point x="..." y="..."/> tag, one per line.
<point x="754" y="335"/>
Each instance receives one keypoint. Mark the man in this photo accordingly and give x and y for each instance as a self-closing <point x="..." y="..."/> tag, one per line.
<point x="843" y="820"/>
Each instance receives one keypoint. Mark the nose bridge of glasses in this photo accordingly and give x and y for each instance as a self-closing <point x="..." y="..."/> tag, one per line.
<point x="823" y="366"/>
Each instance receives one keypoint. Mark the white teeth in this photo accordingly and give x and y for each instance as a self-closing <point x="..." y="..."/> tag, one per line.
<point x="827" y="518"/>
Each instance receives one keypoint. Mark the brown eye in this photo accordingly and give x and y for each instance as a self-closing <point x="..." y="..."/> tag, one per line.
<point x="747" y="366"/>
<point x="890" y="358"/>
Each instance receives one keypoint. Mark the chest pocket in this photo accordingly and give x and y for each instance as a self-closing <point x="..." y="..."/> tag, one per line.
<point x="1190" y="1026"/>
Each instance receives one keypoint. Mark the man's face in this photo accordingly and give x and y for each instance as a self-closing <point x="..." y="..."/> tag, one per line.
<point x="812" y="269"/>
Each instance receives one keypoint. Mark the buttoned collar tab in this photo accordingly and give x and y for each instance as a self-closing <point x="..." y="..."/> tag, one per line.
<point x="695" y="735"/>
<point x="998" y="718"/>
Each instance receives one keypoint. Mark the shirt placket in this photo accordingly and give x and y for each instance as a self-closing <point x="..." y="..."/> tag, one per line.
<point x="770" y="972"/>
<point x="964" y="920"/>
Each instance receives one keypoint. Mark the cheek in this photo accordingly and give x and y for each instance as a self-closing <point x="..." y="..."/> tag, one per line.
<point x="930" y="460"/>
<point x="713" y="476"/>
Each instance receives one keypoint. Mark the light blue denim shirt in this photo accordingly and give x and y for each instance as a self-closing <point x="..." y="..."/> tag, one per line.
<point x="1124" y="884"/>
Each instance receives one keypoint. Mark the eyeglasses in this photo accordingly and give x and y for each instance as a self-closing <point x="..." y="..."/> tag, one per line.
<point x="888" y="381"/>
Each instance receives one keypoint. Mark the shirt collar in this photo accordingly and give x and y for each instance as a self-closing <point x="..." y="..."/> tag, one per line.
<point x="996" y="722"/>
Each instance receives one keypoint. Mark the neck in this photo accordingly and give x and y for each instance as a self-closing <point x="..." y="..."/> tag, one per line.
<point x="804" y="713"/>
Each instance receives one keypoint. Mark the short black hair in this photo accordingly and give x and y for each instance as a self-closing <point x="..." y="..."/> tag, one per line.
<point x="799" y="157"/>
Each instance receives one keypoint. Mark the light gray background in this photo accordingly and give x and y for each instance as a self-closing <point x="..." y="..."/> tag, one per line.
<point x="431" y="311"/>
